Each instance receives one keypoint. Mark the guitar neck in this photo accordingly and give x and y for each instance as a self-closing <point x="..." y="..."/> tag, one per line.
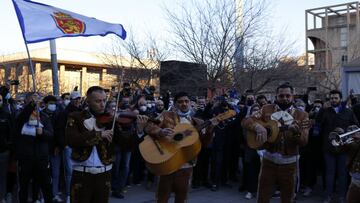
<point x="203" y="125"/>
<point x="220" y="117"/>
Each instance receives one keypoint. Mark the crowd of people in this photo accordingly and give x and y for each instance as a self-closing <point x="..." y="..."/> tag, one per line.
<point x="63" y="148"/>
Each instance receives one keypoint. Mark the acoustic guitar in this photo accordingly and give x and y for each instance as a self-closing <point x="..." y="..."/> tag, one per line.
<point x="166" y="155"/>
<point x="272" y="129"/>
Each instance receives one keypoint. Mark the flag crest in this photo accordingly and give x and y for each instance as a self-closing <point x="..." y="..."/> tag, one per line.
<point x="67" y="24"/>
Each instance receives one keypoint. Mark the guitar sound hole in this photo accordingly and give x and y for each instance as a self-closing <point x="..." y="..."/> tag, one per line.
<point x="178" y="137"/>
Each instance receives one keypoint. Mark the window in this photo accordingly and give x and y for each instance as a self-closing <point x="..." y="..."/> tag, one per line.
<point x="344" y="59"/>
<point x="343" y="37"/>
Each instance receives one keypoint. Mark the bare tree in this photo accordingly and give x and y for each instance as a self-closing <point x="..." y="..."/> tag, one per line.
<point x="137" y="61"/>
<point x="268" y="61"/>
<point x="326" y="80"/>
<point x="2" y="70"/>
<point x="211" y="33"/>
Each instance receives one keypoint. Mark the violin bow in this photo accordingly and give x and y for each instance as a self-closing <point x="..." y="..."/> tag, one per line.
<point x="116" y="108"/>
<point x="38" y="114"/>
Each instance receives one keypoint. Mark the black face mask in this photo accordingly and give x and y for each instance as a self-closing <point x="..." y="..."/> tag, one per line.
<point x="250" y="102"/>
<point x="283" y="106"/>
<point x="125" y="106"/>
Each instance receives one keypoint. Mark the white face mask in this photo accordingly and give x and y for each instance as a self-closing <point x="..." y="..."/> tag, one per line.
<point x="19" y="106"/>
<point x="148" y="105"/>
<point x="142" y="108"/>
<point x="51" y="107"/>
<point x="66" y="102"/>
<point x="32" y="122"/>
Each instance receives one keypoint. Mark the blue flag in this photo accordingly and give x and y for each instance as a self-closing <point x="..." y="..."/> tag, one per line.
<point x="41" y="22"/>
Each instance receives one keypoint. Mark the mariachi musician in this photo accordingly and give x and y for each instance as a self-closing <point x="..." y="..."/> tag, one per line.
<point x="351" y="145"/>
<point x="177" y="181"/>
<point x="279" y="163"/>
<point x="93" y="154"/>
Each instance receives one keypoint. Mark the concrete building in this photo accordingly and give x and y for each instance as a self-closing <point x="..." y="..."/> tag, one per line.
<point x="333" y="36"/>
<point x="76" y="68"/>
<point x="334" y="32"/>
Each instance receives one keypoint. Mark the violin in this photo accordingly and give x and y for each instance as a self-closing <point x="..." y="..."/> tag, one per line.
<point x="124" y="118"/>
<point x="104" y="120"/>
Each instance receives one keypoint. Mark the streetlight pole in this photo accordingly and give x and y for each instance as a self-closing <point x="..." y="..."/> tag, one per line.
<point x="54" y="67"/>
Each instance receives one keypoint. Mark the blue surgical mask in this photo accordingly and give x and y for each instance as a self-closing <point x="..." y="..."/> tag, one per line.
<point x="66" y="102"/>
<point x="51" y="107"/>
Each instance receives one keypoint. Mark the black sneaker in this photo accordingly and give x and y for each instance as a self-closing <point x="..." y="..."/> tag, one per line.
<point x="117" y="194"/>
<point x="214" y="188"/>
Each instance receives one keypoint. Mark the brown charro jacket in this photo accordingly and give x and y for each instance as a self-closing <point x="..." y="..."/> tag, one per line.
<point x="82" y="140"/>
<point x="169" y="119"/>
<point x="287" y="143"/>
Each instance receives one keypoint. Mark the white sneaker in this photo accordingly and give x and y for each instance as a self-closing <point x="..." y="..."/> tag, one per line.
<point x="57" y="198"/>
<point x="307" y="192"/>
<point x="248" y="195"/>
<point x="276" y="194"/>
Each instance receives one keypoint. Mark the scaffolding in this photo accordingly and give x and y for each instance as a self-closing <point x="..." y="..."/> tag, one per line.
<point x="332" y="30"/>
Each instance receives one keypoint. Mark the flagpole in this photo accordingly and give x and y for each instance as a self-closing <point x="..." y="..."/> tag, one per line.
<point x="34" y="82"/>
<point x="31" y="66"/>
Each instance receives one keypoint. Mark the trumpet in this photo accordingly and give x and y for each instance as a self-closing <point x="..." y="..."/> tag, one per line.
<point x="345" y="138"/>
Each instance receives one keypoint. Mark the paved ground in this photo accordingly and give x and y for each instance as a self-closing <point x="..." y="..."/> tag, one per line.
<point x="138" y="194"/>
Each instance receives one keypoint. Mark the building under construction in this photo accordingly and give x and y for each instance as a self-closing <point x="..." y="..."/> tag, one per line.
<point x="332" y="36"/>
